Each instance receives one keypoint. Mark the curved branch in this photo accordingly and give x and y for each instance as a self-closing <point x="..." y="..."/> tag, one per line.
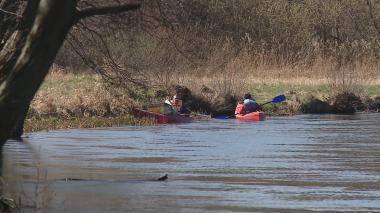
<point x="10" y="13"/>
<point x="106" y="10"/>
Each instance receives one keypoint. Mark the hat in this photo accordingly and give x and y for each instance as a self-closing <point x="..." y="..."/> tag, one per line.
<point x="247" y="96"/>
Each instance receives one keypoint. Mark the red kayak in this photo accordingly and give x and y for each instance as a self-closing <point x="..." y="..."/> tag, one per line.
<point x="161" y="118"/>
<point x="253" y="116"/>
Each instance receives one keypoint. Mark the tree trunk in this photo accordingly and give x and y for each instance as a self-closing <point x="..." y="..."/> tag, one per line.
<point x="21" y="81"/>
<point x="28" y="49"/>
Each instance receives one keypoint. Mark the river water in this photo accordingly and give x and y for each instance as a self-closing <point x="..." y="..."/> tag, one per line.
<point x="290" y="164"/>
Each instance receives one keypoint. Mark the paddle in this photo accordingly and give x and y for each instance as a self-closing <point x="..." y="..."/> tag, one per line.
<point x="275" y="100"/>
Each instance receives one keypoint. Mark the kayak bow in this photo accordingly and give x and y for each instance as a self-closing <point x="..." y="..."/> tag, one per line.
<point x="161" y="118"/>
<point x="253" y="116"/>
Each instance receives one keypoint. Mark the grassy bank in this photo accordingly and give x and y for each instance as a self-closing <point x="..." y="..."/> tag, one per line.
<point x="79" y="101"/>
<point x="84" y="101"/>
<point x="38" y="124"/>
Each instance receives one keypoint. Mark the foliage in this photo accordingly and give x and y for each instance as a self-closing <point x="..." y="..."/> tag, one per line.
<point x="168" y="42"/>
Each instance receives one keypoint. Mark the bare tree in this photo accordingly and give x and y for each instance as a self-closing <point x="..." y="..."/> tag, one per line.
<point x="31" y="33"/>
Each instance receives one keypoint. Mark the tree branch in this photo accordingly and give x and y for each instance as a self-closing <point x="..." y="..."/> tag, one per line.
<point x="10" y="13"/>
<point x="375" y="25"/>
<point x="106" y="10"/>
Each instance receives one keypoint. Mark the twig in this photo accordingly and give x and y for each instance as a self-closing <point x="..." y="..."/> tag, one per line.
<point x="11" y="13"/>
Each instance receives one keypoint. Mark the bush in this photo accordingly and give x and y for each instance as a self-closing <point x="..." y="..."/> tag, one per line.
<point x="347" y="103"/>
<point x="315" y="105"/>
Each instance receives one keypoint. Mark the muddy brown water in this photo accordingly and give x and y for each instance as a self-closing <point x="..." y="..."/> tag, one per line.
<point x="293" y="164"/>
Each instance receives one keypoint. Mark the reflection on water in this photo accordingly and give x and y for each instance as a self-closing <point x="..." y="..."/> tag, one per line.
<point x="297" y="164"/>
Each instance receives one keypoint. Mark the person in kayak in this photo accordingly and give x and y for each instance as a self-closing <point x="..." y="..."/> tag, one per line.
<point x="168" y="108"/>
<point x="239" y="110"/>
<point x="175" y="106"/>
<point x="250" y="104"/>
<point x="247" y="106"/>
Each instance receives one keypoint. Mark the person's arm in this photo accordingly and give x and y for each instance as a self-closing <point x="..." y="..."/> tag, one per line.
<point x="259" y="108"/>
<point x="184" y="110"/>
<point x="169" y="109"/>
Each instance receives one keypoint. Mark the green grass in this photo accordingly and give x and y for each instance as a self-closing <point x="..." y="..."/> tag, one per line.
<point x="87" y="92"/>
<point x="50" y="123"/>
<point x="73" y="83"/>
<point x="79" y="93"/>
<point x="265" y="92"/>
<point x="372" y="90"/>
<point x="70" y="84"/>
<point x="300" y="96"/>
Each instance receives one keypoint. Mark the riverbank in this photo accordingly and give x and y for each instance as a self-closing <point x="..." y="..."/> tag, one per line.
<point x="84" y="101"/>
<point x="68" y="100"/>
<point x="35" y="124"/>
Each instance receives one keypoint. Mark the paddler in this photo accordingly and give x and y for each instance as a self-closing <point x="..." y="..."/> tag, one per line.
<point x="175" y="106"/>
<point x="247" y="106"/>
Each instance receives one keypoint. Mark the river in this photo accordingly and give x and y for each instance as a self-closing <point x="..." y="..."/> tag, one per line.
<point x="302" y="163"/>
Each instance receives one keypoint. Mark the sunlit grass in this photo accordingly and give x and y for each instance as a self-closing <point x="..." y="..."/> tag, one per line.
<point x="50" y="123"/>
<point x="68" y="100"/>
<point x="373" y="90"/>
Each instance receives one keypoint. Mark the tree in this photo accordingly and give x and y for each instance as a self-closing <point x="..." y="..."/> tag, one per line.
<point x="31" y="33"/>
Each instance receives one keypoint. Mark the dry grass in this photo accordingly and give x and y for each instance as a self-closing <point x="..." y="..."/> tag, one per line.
<point x="322" y="80"/>
<point x="69" y="100"/>
<point x="231" y="46"/>
<point x="228" y="71"/>
<point x="83" y="95"/>
<point x="267" y="82"/>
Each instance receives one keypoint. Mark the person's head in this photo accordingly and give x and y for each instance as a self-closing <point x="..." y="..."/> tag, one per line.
<point x="247" y="96"/>
<point x="177" y="97"/>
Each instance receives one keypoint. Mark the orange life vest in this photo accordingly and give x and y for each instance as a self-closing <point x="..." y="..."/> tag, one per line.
<point x="177" y="104"/>
<point x="239" y="109"/>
